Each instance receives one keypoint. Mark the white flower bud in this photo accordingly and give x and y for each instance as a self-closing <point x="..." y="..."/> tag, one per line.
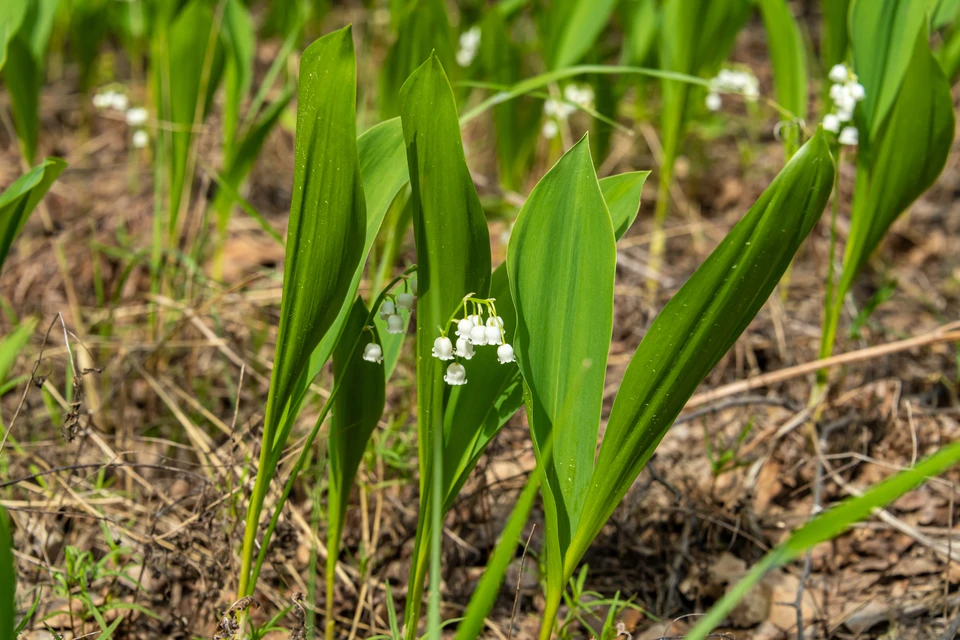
<point x="478" y="335"/>
<point x="831" y="122"/>
<point x="857" y="91"/>
<point x="464" y="348"/>
<point x="413" y="284"/>
<point x="119" y="102"/>
<point x="839" y="73"/>
<point x="387" y="309"/>
<point x="373" y="353"/>
<point x="456" y="375"/>
<point x="136" y="116"/>
<point x="464" y="327"/>
<point x="394" y="324"/>
<point x="495" y="322"/>
<point x="849" y="136"/>
<point x="140" y="139"/>
<point x="505" y="354"/>
<point x="443" y="348"/>
<point x="550" y="129"/>
<point x="713" y="101"/>
<point x="493" y="335"/>
<point x="405" y="301"/>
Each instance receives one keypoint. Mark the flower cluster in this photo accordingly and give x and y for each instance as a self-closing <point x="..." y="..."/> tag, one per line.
<point x="845" y="92"/>
<point x="732" y="81"/>
<point x="557" y="111"/>
<point x="136" y="117"/>
<point x="469" y="46"/>
<point x="471" y="331"/>
<point x="390" y="312"/>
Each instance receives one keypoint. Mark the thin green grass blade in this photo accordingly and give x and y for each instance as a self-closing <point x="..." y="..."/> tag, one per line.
<point x="572" y="28"/>
<point x="453" y="254"/>
<point x="698" y="326"/>
<point x="8" y="580"/>
<point x="239" y="42"/>
<point x="19" y="200"/>
<point x="23" y="78"/>
<point x="788" y="56"/>
<point x="12" y="13"/>
<point x="561" y="264"/>
<point x="827" y="526"/>
<point x="324" y="240"/>
<point x="12" y="343"/>
<point x="834" y="37"/>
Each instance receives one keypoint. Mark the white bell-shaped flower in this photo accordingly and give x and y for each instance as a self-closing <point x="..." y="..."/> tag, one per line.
<point x="839" y="73"/>
<point x="136" y="117"/>
<point x="464" y="327"/>
<point x="849" y="136"/>
<point x="831" y="123"/>
<point x="505" y="354"/>
<point x="550" y="129"/>
<point x="456" y="375"/>
<point x="492" y="335"/>
<point x="464" y="348"/>
<point x="373" y="353"/>
<point x="857" y="91"/>
<point x="478" y="335"/>
<point x="387" y="309"/>
<point x="476" y="319"/>
<point x="713" y="101"/>
<point x="405" y="301"/>
<point x="495" y="322"/>
<point x="140" y="139"/>
<point x="394" y="324"/>
<point x="443" y="348"/>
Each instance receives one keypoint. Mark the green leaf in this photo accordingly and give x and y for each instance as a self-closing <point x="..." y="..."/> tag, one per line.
<point x="89" y="25"/>
<point x="944" y="13"/>
<point x="641" y="36"/>
<point x="424" y="28"/>
<point x="883" y="36"/>
<point x="827" y="526"/>
<point x="834" y="37"/>
<point x="561" y="263"/>
<point x="11" y="345"/>
<point x="895" y="165"/>
<point x="19" y="200"/>
<point x="239" y="42"/>
<point x="572" y="27"/>
<point x="787" y="55"/>
<point x="699" y="325"/>
<point x="324" y="240"/>
<point x="12" y="13"/>
<point x="453" y="257"/>
<point x="23" y="77"/>
<point x="8" y="580"/>
<point x="180" y="52"/>
<point x="355" y="415"/>
<point x="622" y="195"/>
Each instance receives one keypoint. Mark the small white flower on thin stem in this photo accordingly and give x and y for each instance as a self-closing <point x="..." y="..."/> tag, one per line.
<point x="464" y="348"/>
<point x="495" y="322"/>
<point x="103" y="100"/>
<point x="394" y="324"/>
<point x="413" y="284"/>
<point x="140" y="139"/>
<point x="387" y="309"/>
<point x="714" y="101"/>
<point x="550" y="129"/>
<point x="405" y="301"/>
<point x="456" y="375"/>
<point x="857" y="91"/>
<point x="478" y="335"/>
<point x="469" y="46"/>
<point x="464" y="327"/>
<point x="136" y="117"/>
<point x="373" y="353"/>
<point x="582" y="96"/>
<point x="443" y="348"/>
<point x="476" y="319"/>
<point x="119" y="101"/>
<point x="505" y="354"/>
<point x="831" y="123"/>
<point x="849" y="136"/>
<point x="839" y="73"/>
<point x="493" y="335"/>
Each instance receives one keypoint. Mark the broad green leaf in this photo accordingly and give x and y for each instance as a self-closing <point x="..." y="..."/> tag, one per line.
<point x="896" y="165"/>
<point x="787" y="55"/>
<point x="949" y="55"/>
<point x="88" y="27"/>
<point x="324" y="240"/>
<point x="640" y="38"/>
<point x="355" y="415"/>
<point x="23" y="78"/>
<point x="8" y="580"/>
<point x="11" y="345"/>
<point x="180" y="53"/>
<point x="37" y="26"/>
<point x="424" y="31"/>
<point x="239" y="42"/>
<point x="699" y="325"/>
<point x="883" y="36"/>
<point x="453" y="259"/>
<point x="834" y="37"/>
<point x="622" y="195"/>
<point x="11" y="17"/>
<point x="944" y="13"/>
<point x="561" y="264"/>
<point x="827" y="526"/>
<point x="19" y="200"/>
<point x="571" y="29"/>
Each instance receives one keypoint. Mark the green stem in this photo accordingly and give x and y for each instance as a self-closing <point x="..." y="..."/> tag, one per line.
<point x="550" y="613"/>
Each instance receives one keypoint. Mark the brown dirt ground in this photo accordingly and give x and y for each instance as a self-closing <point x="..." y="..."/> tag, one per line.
<point x="166" y="475"/>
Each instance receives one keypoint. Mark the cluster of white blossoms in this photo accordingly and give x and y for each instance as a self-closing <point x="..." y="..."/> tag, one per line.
<point x="732" y="81"/>
<point x="845" y="92"/>
<point x="390" y="312"/>
<point x="472" y="331"/>
<point x="557" y="111"/>
<point x="136" y="117"/>
<point x="469" y="46"/>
